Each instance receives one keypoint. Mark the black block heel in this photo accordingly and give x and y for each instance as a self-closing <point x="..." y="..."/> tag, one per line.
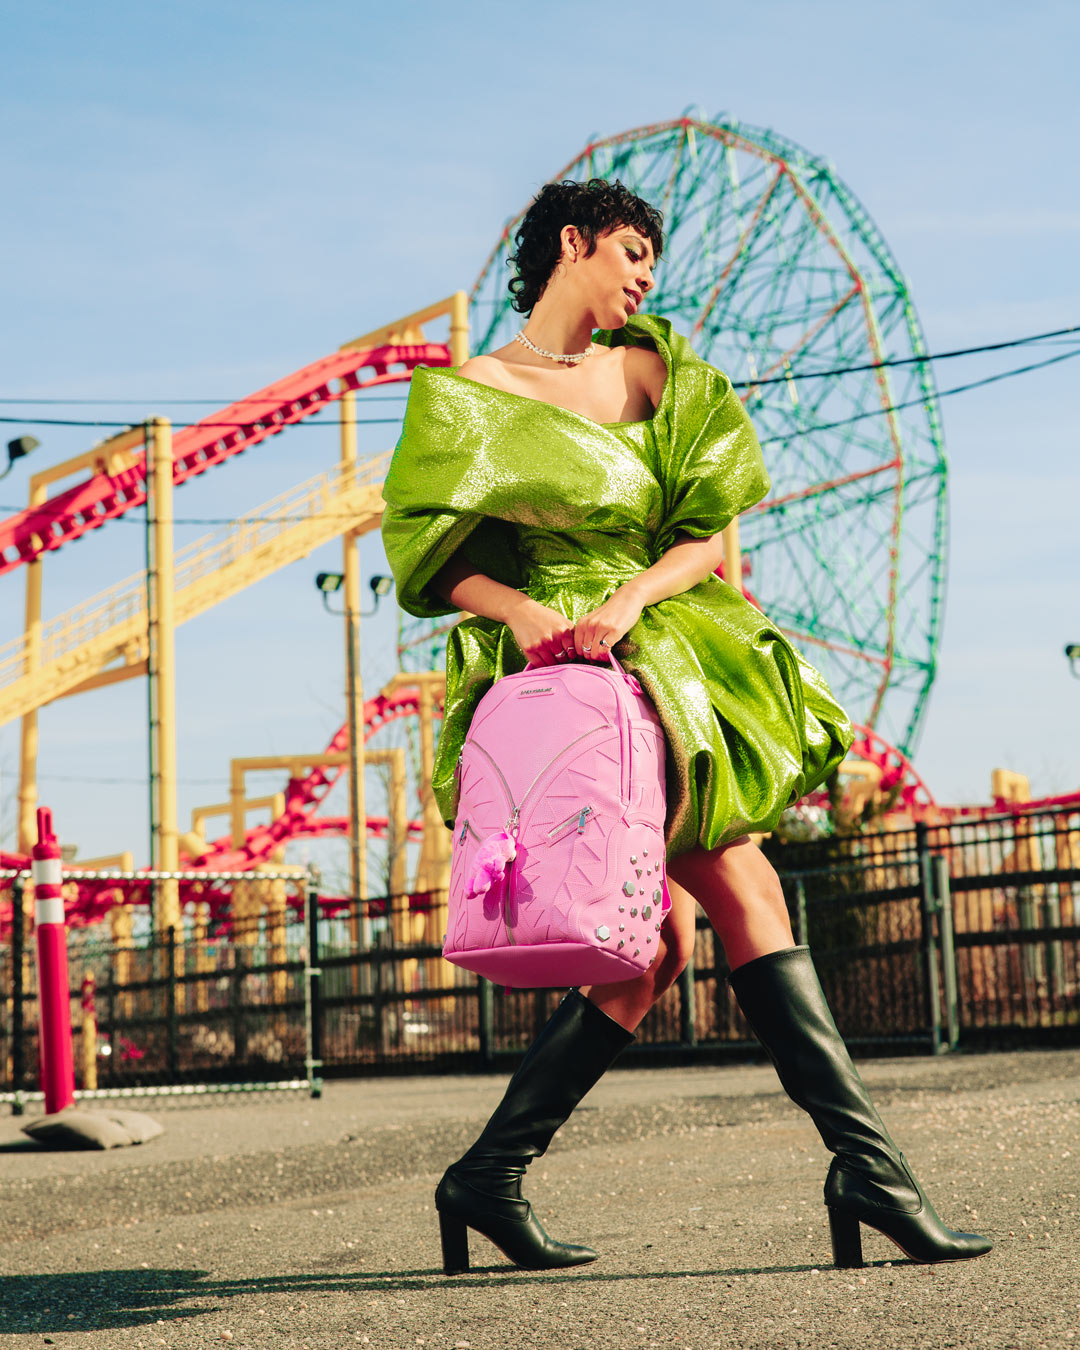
<point x="482" y="1190"/>
<point x="846" y="1240"/>
<point x="455" y="1244"/>
<point x="869" y="1181"/>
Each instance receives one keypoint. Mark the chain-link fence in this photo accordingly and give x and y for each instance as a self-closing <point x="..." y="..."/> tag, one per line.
<point x="925" y="939"/>
<point x="222" y="1001"/>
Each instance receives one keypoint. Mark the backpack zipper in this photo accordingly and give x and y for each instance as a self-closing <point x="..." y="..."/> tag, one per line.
<point x="506" y="786"/>
<point x="511" y="829"/>
<point x="466" y="828"/>
<point x="626" y="745"/>
<point x="579" y="816"/>
<point x="540" y="773"/>
<point x="515" y="807"/>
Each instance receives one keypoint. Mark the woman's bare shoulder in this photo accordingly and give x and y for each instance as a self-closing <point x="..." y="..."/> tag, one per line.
<point x="647" y="366"/>
<point x="484" y="370"/>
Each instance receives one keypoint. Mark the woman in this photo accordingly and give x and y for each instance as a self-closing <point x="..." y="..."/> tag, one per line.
<point x="570" y="490"/>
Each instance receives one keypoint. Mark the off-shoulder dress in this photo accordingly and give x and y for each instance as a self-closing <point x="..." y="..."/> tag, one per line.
<point x="567" y="509"/>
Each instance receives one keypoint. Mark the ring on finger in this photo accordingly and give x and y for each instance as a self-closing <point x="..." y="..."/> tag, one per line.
<point x="586" y="649"/>
<point x="604" y="642"/>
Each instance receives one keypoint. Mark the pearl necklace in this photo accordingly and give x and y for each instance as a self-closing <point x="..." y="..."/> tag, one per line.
<point x="571" y="358"/>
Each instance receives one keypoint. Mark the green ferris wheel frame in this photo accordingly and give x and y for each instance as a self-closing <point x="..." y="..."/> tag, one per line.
<point x="777" y="274"/>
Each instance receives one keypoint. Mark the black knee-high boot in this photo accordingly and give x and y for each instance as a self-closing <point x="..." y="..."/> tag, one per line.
<point x="869" y="1181"/>
<point x="482" y="1190"/>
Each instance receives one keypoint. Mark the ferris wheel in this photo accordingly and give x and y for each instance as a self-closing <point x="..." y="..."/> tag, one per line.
<point x="778" y="276"/>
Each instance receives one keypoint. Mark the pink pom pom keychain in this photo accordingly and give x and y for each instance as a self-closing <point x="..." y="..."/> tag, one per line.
<point x="490" y="862"/>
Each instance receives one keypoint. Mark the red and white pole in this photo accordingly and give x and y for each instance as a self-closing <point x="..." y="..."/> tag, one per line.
<point x="54" y="991"/>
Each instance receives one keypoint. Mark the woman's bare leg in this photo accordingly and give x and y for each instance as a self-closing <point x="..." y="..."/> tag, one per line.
<point x="739" y="890"/>
<point x="629" y="1001"/>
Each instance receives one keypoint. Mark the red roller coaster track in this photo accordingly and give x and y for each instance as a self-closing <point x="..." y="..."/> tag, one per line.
<point x="303" y="796"/>
<point x="27" y="535"/>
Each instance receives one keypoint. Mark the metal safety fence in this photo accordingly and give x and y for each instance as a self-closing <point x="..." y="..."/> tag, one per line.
<point x="963" y="935"/>
<point x="959" y="934"/>
<point x="221" y="1003"/>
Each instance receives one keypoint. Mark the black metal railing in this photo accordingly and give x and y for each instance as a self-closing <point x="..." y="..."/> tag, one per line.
<point x="925" y="939"/>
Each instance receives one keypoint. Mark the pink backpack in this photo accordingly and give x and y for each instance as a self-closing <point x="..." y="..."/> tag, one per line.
<point x="557" y="875"/>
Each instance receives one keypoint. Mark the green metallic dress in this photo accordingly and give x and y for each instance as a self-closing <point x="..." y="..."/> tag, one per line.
<point x="567" y="509"/>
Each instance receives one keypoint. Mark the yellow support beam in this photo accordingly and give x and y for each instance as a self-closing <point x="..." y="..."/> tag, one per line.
<point x="111" y="456"/>
<point x="1007" y="785"/>
<point x="201" y="814"/>
<point x="409" y="330"/>
<point x="865" y="785"/>
<point x="31" y="659"/>
<point x="106" y="630"/>
<point x="163" y="672"/>
<point x="295" y="764"/>
<point x="194" y="842"/>
<point x="354" y="685"/>
<point x="115" y="675"/>
<point x="109" y="862"/>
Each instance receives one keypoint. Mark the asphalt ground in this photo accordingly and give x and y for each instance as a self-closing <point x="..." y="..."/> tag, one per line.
<point x="279" y="1221"/>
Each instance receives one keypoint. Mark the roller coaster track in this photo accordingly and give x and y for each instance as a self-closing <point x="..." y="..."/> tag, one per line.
<point x="29" y="534"/>
<point x="81" y="644"/>
<point x="300" y="820"/>
<point x="108" y="633"/>
<point x="304" y="796"/>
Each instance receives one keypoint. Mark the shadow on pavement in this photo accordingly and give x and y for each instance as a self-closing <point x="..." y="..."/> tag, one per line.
<point x="91" y="1299"/>
<point x="94" y="1299"/>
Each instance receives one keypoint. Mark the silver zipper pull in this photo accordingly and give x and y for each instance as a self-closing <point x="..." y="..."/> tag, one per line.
<point x="464" y="831"/>
<point x="585" y="810"/>
<point x="511" y="824"/>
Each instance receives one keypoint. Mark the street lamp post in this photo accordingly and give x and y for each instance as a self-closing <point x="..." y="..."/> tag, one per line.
<point x="16" y="449"/>
<point x="329" y="583"/>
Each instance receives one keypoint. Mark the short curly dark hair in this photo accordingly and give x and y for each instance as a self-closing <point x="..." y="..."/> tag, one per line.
<point x="595" y="207"/>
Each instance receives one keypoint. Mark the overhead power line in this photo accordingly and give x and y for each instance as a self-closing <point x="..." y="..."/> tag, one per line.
<point x="915" y="402"/>
<point x="132" y="519"/>
<point x="182" y="426"/>
<point x="137" y="782"/>
<point x="889" y="362"/>
<point x="175" y="402"/>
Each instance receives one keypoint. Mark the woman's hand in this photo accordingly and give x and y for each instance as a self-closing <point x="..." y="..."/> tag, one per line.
<point x="548" y="638"/>
<point x="544" y="635"/>
<point x="598" y="631"/>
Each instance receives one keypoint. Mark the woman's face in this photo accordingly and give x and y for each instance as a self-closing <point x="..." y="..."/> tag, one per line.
<point x="613" y="282"/>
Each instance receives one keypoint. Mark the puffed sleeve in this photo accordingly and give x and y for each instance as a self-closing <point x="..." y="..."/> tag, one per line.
<point x="431" y="508"/>
<point x="712" y="465"/>
<point x="709" y="461"/>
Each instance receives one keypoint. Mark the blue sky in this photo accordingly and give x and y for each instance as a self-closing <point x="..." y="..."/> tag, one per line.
<point x="201" y="198"/>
